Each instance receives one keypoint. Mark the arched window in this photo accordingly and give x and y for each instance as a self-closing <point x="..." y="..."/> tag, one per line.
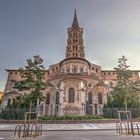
<point x="48" y="98"/>
<point x="68" y="70"/>
<point x="73" y="34"/>
<point x="76" y="48"/>
<point x="96" y="70"/>
<point x="111" y="84"/>
<point x="57" y="97"/>
<point x="74" y="70"/>
<point x="81" y="70"/>
<point x="100" y="98"/>
<point x="71" y="95"/>
<point x="90" y="97"/>
<point x="73" y="48"/>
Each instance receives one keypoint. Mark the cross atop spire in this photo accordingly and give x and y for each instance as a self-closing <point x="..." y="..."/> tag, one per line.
<point x="75" y="20"/>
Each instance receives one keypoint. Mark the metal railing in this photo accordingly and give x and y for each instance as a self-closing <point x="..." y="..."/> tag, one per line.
<point x="30" y="127"/>
<point x="24" y="131"/>
<point x="125" y="125"/>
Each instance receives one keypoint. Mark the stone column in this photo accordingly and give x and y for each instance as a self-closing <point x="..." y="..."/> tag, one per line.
<point x="83" y="101"/>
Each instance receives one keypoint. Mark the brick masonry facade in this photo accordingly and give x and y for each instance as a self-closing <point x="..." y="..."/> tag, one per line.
<point x="77" y="87"/>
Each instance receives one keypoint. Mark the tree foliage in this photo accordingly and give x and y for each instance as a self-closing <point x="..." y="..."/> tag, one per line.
<point x="126" y="92"/>
<point x="32" y="83"/>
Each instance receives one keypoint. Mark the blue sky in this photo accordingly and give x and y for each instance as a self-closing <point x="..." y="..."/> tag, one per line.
<point x="31" y="27"/>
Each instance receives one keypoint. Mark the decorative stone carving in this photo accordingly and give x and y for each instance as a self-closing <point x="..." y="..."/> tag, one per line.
<point x="71" y="110"/>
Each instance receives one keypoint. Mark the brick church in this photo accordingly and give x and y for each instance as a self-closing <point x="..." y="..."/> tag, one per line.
<point x="77" y="87"/>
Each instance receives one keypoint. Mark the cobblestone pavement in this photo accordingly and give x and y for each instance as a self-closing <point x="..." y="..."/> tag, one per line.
<point x="72" y="135"/>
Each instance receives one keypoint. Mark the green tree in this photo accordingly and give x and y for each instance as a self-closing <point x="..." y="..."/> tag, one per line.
<point x="126" y="90"/>
<point x="32" y="83"/>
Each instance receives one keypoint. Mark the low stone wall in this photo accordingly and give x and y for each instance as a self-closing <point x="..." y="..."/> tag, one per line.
<point x="61" y="121"/>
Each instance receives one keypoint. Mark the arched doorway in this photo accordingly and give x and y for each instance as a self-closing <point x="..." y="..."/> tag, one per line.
<point x="89" y="104"/>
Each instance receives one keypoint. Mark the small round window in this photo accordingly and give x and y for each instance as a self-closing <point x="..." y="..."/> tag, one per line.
<point x="89" y="85"/>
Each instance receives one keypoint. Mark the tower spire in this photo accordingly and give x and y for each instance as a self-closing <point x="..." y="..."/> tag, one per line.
<point x="75" y="47"/>
<point x="75" y="20"/>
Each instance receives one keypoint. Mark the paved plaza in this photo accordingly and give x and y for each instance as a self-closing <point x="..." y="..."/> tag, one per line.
<point x="87" y="131"/>
<point x="81" y="126"/>
<point x="72" y="135"/>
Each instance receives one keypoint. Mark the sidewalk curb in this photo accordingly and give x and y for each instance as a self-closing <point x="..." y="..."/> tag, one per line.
<point x="70" y="130"/>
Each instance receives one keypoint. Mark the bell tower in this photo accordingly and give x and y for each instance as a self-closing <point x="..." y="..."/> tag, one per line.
<point x="75" y="48"/>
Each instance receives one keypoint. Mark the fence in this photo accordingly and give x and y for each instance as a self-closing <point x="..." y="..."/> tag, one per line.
<point x="14" y="114"/>
<point x="125" y="124"/>
<point x="113" y="112"/>
<point x="18" y="114"/>
<point x="30" y="127"/>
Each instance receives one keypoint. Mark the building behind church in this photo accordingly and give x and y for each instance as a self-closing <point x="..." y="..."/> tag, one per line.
<point x="77" y="87"/>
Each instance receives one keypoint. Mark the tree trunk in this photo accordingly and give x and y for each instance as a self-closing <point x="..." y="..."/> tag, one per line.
<point x="125" y="103"/>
